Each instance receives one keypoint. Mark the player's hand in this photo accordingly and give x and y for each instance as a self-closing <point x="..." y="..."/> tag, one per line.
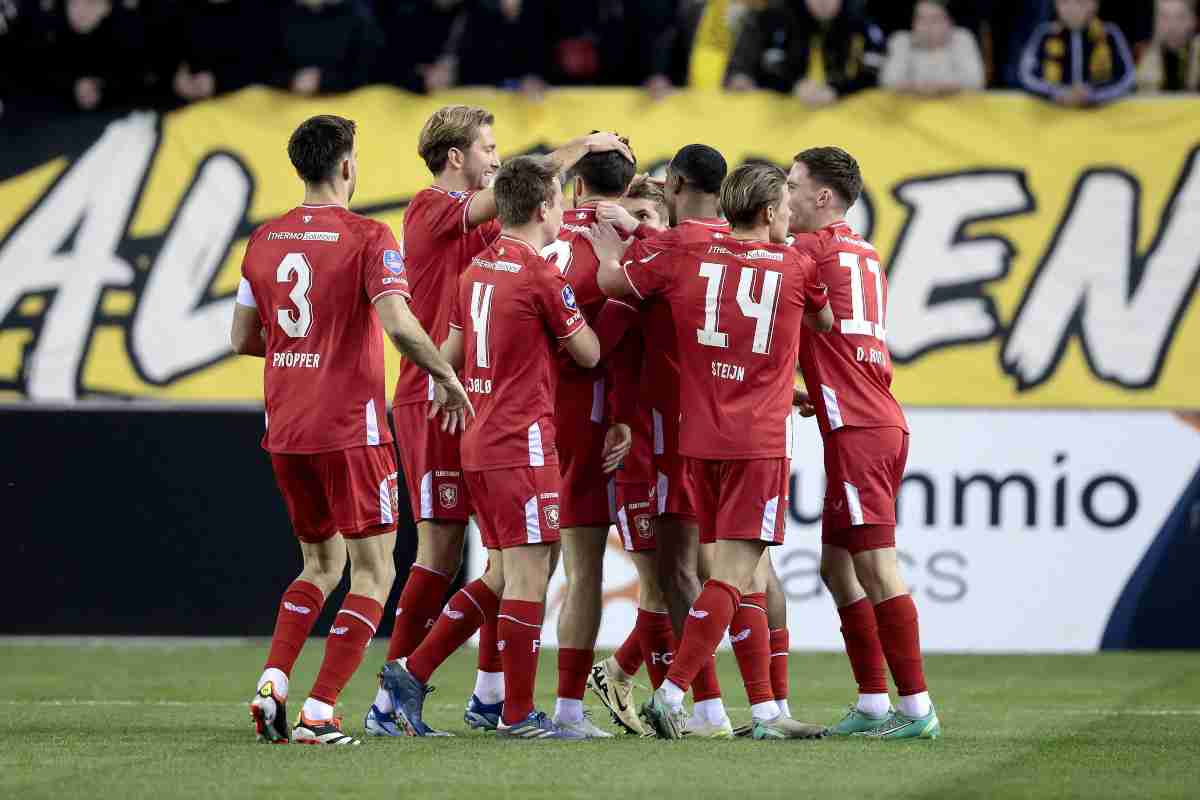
<point x="603" y="142"/>
<point x="607" y="243"/>
<point x="801" y="401"/>
<point x="617" y="444"/>
<point x="450" y="398"/>
<point x="616" y="215"/>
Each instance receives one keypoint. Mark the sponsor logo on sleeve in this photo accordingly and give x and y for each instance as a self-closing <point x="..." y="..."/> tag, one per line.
<point x="393" y="261"/>
<point x="568" y="297"/>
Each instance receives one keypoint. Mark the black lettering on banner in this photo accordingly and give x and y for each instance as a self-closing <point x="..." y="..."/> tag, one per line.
<point x="1087" y="500"/>
<point x="995" y="487"/>
<point x="926" y="482"/>
<point x="1092" y="283"/>
<point x="800" y="575"/>
<point x="794" y="500"/>
<point x="937" y="271"/>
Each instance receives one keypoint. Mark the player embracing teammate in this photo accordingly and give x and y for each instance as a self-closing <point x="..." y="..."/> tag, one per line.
<point x="848" y="373"/>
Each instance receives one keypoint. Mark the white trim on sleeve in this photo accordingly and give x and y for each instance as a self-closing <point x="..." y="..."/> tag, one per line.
<point x="245" y="295"/>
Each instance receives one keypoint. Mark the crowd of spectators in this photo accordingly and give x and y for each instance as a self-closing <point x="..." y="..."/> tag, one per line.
<point x="96" y="54"/>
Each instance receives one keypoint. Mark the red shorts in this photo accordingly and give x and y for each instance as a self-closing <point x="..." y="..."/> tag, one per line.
<point x="741" y="499"/>
<point x="863" y="469"/>
<point x="579" y="437"/>
<point x="432" y="466"/>
<point x="673" y="482"/>
<point x="518" y="505"/>
<point x="352" y="492"/>
<point x="634" y="507"/>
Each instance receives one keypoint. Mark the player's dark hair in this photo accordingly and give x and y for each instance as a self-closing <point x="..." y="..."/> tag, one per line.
<point x="318" y="146"/>
<point x="521" y="185"/>
<point x="701" y="166"/>
<point x="749" y="189"/>
<point x="607" y="174"/>
<point x="450" y="127"/>
<point x="835" y="168"/>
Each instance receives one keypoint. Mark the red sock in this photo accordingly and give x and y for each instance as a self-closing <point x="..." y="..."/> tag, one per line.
<point x="298" y="611"/>
<point x="416" y="610"/>
<point x="489" y="656"/>
<point x="353" y="627"/>
<point x="861" y="634"/>
<point x="780" y="647"/>
<point x="629" y="655"/>
<point x="574" y="665"/>
<point x="657" y="639"/>
<point x="705" y="685"/>
<point x="750" y="636"/>
<point x="463" y="615"/>
<point x="707" y="621"/>
<point x="901" y="640"/>
<point x="520" y="631"/>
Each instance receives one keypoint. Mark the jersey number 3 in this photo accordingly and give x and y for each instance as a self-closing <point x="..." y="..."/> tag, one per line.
<point x="295" y="323"/>
<point x="762" y="311"/>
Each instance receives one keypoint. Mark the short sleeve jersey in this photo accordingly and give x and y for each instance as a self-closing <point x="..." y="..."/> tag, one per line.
<point x="438" y="245"/>
<point x="660" y="372"/>
<point x="738" y="309"/>
<point x="314" y="274"/>
<point x="514" y="309"/>
<point x="848" y="370"/>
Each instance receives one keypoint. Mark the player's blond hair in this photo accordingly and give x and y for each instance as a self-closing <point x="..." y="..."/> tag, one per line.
<point x="521" y="185"/>
<point x="749" y="189"/>
<point x="643" y="188"/>
<point x="450" y="127"/>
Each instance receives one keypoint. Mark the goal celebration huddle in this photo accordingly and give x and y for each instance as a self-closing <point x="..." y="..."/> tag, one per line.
<point x="629" y="358"/>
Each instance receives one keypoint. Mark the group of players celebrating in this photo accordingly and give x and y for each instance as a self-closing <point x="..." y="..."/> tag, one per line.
<point x="628" y="361"/>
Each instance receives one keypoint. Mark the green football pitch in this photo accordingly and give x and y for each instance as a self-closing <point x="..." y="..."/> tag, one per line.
<point x="168" y="719"/>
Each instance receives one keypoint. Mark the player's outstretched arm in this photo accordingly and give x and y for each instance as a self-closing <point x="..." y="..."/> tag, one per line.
<point x="483" y="203"/>
<point x="609" y="248"/>
<point x="411" y="340"/>
<point x="246" y="335"/>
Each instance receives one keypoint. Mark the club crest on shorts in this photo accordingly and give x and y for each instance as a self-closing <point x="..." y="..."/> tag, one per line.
<point x="642" y="523"/>
<point x="448" y="495"/>
<point x="552" y="516"/>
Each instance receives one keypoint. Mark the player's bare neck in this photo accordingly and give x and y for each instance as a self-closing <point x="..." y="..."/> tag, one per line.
<point x="591" y="200"/>
<point x="698" y="206"/>
<point x="760" y="234"/>
<point x="324" y="195"/>
<point x="452" y="181"/>
<point x="530" y="234"/>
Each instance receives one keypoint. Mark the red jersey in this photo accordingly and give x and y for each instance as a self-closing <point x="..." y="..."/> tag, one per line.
<point x="738" y="309"/>
<point x="314" y="274"/>
<point x="660" y="372"/>
<point x="848" y="370"/>
<point x="513" y="308"/>
<point x="438" y="245"/>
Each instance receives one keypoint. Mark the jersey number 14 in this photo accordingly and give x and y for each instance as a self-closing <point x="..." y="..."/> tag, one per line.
<point x="762" y="310"/>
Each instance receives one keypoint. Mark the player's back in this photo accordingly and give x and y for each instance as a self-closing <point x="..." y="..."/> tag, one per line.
<point x="314" y="273"/>
<point x="575" y="259"/>
<point x="848" y="370"/>
<point x="512" y="307"/>
<point x="660" y="373"/>
<point x="438" y="244"/>
<point x="738" y="310"/>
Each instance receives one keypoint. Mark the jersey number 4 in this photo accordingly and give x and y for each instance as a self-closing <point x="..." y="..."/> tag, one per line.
<point x="858" y="322"/>
<point x="762" y="311"/>
<point x="481" y="312"/>
<point x="295" y="323"/>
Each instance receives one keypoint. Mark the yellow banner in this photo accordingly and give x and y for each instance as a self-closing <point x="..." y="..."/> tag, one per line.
<point x="1037" y="257"/>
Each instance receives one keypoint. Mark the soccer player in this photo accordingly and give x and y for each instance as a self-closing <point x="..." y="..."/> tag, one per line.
<point x="635" y="504"/>
<point x="511" y="313"/>
<point x="848" y="372"/>
<point x="692" y="197"/>
<point x="738" y="304"/>
<point x="444" y="227"/>
<point x="316" y="285"/>
<point x="588" y="447"/>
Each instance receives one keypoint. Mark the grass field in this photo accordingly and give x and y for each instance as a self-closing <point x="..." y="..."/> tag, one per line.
<point x="169" y="720"/>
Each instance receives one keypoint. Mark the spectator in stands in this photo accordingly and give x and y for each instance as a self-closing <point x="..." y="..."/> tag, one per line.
<point x="225" y="45"/>
<point x="818" y="50"/>
<point x="1077" y="60"/>
<point x="423" y="26"/>
<point x="1171" y="61"/>
<point x="330" y="46"/>
<point x="498" y="43"/>
<point x="936" y="58"/>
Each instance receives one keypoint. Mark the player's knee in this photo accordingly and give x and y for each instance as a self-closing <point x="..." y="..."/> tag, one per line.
<point x="373" y="578"/>
<point x="325" y="569"/>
